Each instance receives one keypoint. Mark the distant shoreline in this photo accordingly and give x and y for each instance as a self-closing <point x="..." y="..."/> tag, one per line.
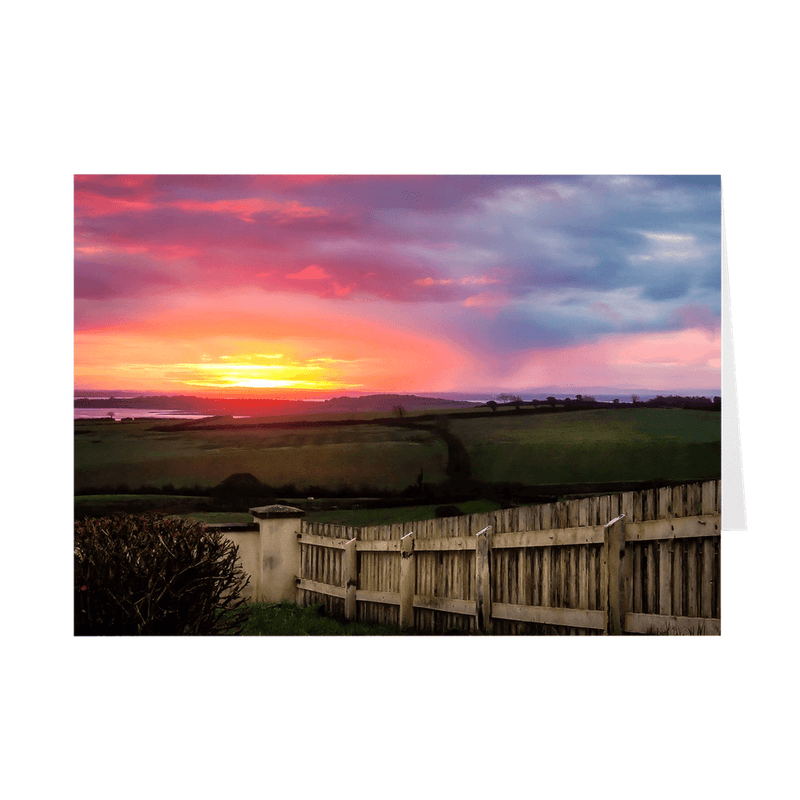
<point x="117" y="413"/>
<point x="248" y="407"/>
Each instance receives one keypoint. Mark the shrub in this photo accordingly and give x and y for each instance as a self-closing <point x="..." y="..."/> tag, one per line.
<point x="152" y="575"/>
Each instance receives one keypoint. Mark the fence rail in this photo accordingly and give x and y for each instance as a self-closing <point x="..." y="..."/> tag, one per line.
<point x="624" y="563"/>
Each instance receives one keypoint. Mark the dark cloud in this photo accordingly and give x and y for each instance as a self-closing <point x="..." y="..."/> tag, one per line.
<point x="667" y="286"/>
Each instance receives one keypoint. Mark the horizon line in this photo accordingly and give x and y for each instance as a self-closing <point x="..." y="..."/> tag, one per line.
<point x="607" y="391"/>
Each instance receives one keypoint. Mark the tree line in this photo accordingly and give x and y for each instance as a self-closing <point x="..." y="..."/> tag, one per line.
<point x="589" y="401"/>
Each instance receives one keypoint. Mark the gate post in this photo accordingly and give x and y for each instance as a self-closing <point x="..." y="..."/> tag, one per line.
<point x="279" y="548"/>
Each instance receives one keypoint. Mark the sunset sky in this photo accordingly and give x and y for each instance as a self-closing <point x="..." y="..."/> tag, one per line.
<point x="303" y="286"/>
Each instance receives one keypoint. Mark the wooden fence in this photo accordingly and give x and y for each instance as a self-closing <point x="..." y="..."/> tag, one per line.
<point x="633" y="562"/>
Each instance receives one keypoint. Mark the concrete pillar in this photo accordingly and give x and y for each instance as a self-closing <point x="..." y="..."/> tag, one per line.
<point x="279" y="553"/>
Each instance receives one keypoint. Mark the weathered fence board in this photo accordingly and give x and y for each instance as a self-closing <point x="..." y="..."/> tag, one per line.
<point x="448" y="543"/>
<point x="442" y="604"/>
<point x="320" y="587"/>
<point x="685" y="528"/>
<point x="572" y="617"/>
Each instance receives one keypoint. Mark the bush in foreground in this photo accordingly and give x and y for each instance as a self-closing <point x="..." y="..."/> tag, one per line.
<point x="155" y="576"/>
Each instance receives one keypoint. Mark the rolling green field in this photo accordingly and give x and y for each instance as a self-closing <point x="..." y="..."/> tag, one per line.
<point x="631" y="444"/>
<point x="134" y="454"/>
<point x="634" y="444"/>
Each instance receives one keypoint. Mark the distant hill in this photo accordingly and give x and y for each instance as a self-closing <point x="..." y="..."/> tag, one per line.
<point x="262" y="408"/>
<point x="386" y="402"/>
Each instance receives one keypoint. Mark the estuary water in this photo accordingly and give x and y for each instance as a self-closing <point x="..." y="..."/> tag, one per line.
<point x="147" y="413"/>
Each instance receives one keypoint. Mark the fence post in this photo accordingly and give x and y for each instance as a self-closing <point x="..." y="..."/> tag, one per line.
<point x="350" y="578"/>
<point x="279" y="553"/>
<point x="613" y="595"/>
<point x="408" y="580"/>
<point x="483" y="580"/>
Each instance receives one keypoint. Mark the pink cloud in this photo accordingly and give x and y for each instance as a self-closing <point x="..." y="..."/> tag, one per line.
<point x="103" y="195"/>
<point x="115" y="181"/>
<point x="487" y="302"/>
<point x="668" y="361"/>
<point x="311" y="273"/>
<point x="682" y="348"/>
<point x="433" y="281"/>
<point x="89" y="204"/>
<point x="469" y="280"/>
<point x="695" y="316"/>
<point x="245" y="208"/>
<point x="477" y="280"/>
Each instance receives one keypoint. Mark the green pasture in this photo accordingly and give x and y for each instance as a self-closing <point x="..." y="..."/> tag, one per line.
<point x="134" y="454"/>
<point x="363" y="517"/>
<point x="632" y="444"/>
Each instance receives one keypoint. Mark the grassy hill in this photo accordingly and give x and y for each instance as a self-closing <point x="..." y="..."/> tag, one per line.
<point x="139" y="454"/>
<point x="632" y="444"/>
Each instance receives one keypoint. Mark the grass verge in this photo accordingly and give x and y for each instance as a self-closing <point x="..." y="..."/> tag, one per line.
<point x="289" y="619"/>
